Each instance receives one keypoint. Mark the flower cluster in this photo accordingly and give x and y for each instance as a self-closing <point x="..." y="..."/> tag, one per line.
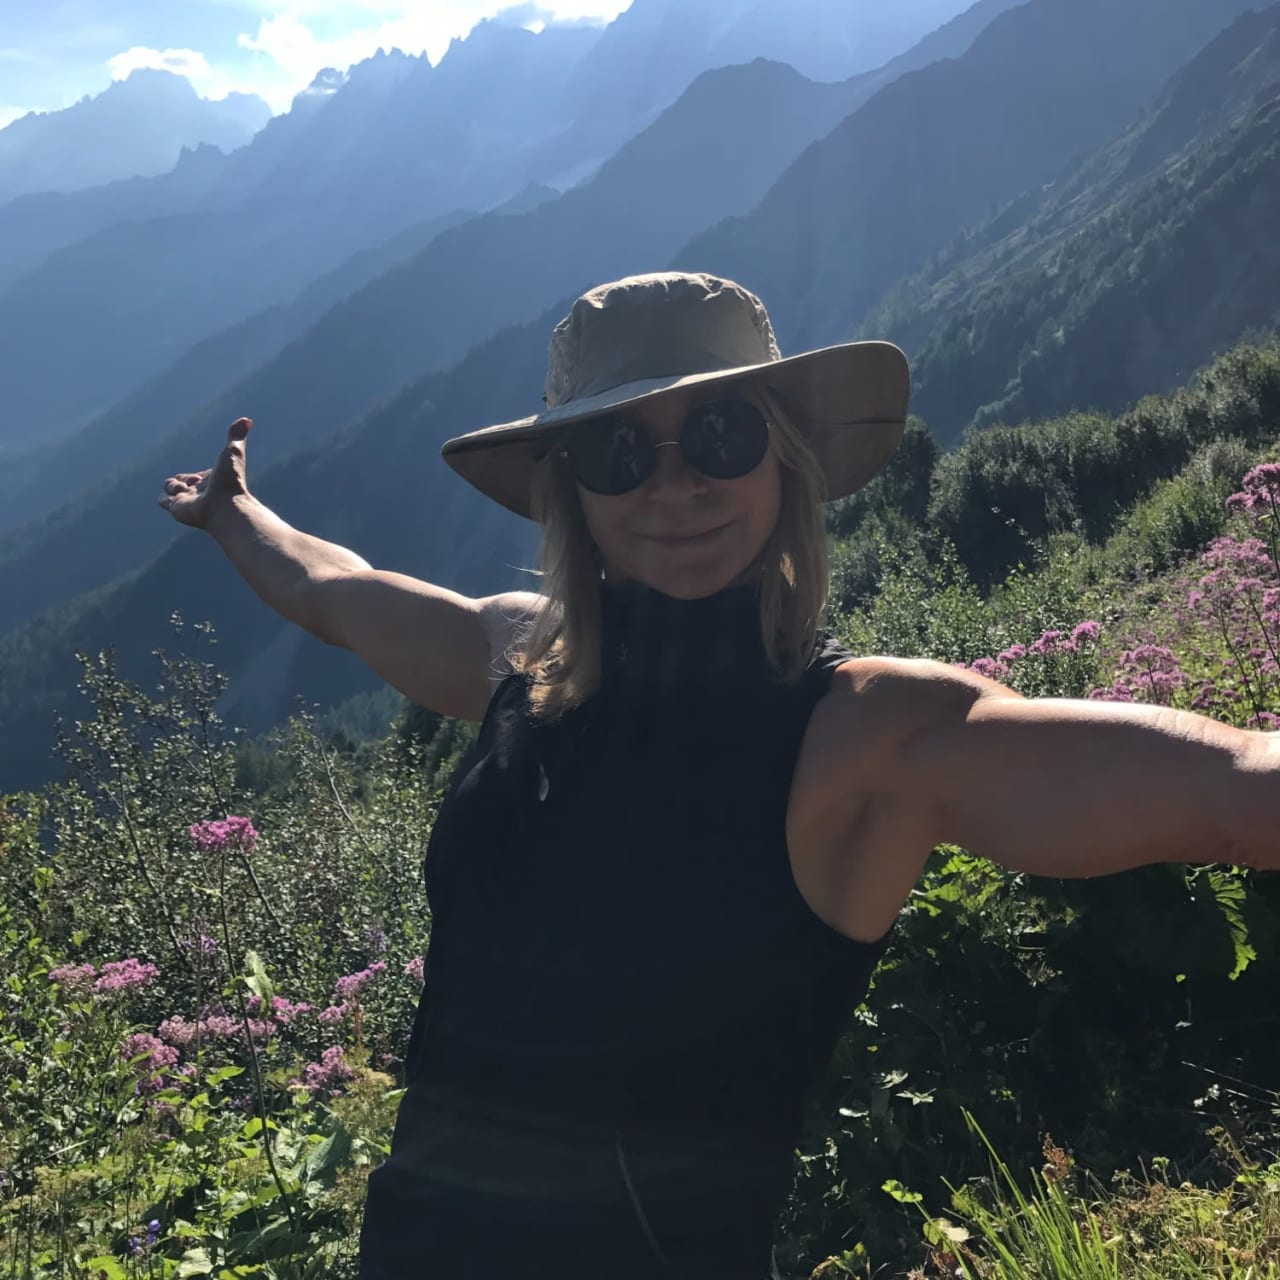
<point x="137" y="1244"/>
<point x="215" y="835"/>
<point x="1049" y="645"/>
<point x="1261" y="494"/>
<point x="328" y="1075"/>
<point x="75" y="978"/>
<point x="119" y="976"/>
<point x="282" y="1010"/>
<point x="115" y="978"/>
<point x="1148" y="673"/>
<point x="153" y="1057"/>
<point x="351" y="984"/>
<point x="415" y="969"/>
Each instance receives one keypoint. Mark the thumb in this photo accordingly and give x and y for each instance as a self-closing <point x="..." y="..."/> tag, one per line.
<point x="238" y="430"/>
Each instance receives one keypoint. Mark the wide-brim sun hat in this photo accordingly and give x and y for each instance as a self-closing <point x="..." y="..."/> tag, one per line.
<point x="631" y="340"/>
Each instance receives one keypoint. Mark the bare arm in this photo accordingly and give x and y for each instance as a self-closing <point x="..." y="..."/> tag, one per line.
<point x="1072" y="788"/>
<point x="907" y="753"/>
<point x="441" y="649"/>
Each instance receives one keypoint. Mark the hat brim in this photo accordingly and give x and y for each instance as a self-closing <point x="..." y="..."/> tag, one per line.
<point x="848" y="401"/>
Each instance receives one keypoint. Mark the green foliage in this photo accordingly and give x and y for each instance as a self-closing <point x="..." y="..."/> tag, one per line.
<point x="1007" y="488"/>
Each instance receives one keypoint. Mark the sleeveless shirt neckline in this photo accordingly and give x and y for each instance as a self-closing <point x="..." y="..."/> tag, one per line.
<point x="654" y="644"/>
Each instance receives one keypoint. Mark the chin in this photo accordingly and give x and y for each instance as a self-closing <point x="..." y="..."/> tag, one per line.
<point x="691" y="582"/>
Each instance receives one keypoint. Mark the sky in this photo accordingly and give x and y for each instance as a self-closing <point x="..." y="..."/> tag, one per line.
<point x="54" y="52"/>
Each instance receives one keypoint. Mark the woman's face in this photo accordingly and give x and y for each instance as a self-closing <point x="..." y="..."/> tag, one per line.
<point x="682" y="533"/>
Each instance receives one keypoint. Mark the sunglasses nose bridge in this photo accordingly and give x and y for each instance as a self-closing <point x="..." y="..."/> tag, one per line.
<point x="675" y="469"/>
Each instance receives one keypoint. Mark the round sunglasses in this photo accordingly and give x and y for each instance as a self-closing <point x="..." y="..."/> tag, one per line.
<point x="722" y="439"/>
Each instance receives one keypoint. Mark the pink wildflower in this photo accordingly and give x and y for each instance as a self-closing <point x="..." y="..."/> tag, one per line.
<point x="1013" y="653"/>
<point x="415" y="969"/>
<point x="178" y="1031"/>
<point x="1261" y="490"/>
<point x="214" y="836"/>
<point x="74" y="977"/>
<point x="334" y="1013"/>
<point x="154" y="1056"/>
<point x="124" y="975"/>
<point x="284" y="1011"/>
<point x="1085" y="631"/>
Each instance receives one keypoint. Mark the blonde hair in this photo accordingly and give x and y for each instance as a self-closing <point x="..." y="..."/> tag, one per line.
<point x="561" y="649"/>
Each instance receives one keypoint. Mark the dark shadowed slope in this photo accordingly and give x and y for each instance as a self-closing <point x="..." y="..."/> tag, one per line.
<point x="1119" y="280"/>
<point x="935" y="151"/>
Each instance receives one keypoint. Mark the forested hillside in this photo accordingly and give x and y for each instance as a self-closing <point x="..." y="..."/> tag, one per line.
<point x="1125" y="275"/>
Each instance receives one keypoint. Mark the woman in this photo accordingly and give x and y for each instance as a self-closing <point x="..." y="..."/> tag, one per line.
<point x="664" y="874"/>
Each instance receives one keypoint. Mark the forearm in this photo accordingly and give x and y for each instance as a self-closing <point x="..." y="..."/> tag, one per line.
<point x="278" y="561"/>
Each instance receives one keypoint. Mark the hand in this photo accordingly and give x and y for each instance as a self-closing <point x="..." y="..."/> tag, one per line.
<point x="192" y="496"/>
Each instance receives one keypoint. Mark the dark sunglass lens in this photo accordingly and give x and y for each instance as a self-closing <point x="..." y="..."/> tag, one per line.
<point x="611" y="457"/>
<point x="725" y="439"/>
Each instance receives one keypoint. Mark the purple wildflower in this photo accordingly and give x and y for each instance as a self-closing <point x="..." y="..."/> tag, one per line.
<point x="284" y="1011"/>
<point x="334" y="1013"/>
<point x="351" y="984"/>
<point x="1013" y="653"/>
<point x="329" y="1073"/>
<point x="1050" y="643"/>
<point x="1085" y="631"/>
<point x="988" y="667"/>
<point x="1261" y="490"/>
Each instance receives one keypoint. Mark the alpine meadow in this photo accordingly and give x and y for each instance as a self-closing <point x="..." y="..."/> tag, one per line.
<point x="214" y="923"/>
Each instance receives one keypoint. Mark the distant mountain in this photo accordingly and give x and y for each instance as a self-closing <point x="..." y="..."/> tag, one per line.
<point x="399" y="141"/>
<point x="936" y="151"/>
<point x="720" y="146"/>
<point x="135" y="128"/>
<point x="664" y="44"/>
<point x="1151" y="258"/>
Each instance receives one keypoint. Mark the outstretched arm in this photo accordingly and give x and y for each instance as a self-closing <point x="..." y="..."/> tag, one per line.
<point x="1071" y="788"/>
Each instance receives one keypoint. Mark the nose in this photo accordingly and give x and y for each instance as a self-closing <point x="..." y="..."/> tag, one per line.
<point x="675" y="478"/>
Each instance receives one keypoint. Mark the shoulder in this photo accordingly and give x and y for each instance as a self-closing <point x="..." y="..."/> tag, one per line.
<point x="507" y="618"/>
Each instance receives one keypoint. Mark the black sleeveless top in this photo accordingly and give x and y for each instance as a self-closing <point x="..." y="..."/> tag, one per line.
<point x="627" y="1000"/>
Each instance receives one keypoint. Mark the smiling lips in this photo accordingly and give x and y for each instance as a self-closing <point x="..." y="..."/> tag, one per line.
<point x="686" y="539"/>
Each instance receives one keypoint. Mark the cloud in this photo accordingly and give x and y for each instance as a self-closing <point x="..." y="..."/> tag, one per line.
<point x="190" y="63"/>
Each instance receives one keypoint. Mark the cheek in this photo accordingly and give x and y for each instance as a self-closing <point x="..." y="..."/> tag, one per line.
<point x="603" y="517"/>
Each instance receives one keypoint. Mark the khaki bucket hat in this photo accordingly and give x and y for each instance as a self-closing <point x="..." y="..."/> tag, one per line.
<point x="628" y="341"/>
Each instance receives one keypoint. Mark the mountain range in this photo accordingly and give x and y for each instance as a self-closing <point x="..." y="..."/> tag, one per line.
<point x="349" y="429"/>
<point x="401" y="141"/>
<point x="137" y="127"/>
